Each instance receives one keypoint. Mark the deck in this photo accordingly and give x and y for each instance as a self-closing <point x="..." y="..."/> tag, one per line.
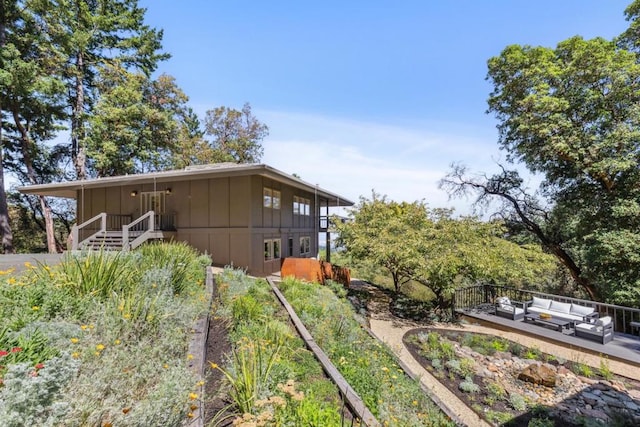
<point x="623" y="347"/>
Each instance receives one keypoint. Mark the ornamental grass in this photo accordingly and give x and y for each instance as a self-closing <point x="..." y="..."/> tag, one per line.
<point x="103" y="338"/>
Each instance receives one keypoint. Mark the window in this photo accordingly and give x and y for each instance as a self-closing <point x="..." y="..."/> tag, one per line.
<point x="271" y="249"/>
<point x="271" y="198"/>
<point x="305" y="245"/>
<point x="301" y="206"/>
<point x="290" y="246"/>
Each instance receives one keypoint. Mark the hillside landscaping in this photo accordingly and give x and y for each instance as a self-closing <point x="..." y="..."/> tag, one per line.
<point x="101" y="339"/>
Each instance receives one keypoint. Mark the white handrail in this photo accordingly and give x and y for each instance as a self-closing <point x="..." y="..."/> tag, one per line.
<point x="75" y="230"/>
<point x="126" y="245"/>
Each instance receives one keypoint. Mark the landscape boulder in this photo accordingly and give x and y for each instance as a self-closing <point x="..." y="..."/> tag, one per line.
<point x="538" y="374"/>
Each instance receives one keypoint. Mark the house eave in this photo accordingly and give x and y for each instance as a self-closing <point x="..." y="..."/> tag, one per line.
<point x="70" y="189"/>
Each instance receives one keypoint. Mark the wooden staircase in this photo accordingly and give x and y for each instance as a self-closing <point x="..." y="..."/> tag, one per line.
<point x="131" y="236"/>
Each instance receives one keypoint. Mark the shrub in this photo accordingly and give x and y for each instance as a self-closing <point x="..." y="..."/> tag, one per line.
<point x="454" y="366"/>
<point x="437" y="364"/>
<point x="517" y="402"/>
<point x="541" y="422"/>
<point x="468" y="386"/>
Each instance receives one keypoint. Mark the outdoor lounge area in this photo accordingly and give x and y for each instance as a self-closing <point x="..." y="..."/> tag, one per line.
<point x="588" y="326"/>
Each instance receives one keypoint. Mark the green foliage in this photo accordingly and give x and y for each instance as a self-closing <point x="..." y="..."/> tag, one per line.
<point x="517" y="402"/>
<point x="582" y="369"/>
<point x="605" y="368"/>
<point x="236" y="134"/>
<point x="468" y="386"/>
<point x="123" y="337"/>
<point x="416" y="244"/>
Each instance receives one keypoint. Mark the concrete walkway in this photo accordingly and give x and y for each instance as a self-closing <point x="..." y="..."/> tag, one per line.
<point x="17" y="261"/>
<point x="390" y="330"/>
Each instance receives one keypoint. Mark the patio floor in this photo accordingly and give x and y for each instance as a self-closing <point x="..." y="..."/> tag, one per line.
<point x="623" y="347"/>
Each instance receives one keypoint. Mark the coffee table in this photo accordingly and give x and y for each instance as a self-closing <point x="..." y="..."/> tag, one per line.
<point x="556" y="322"/>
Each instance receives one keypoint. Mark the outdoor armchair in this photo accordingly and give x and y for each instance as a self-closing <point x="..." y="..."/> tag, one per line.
<point x="506" y="308"/>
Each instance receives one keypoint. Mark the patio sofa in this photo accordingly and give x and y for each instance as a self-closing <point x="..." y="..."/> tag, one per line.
<point x="563" y="310"/>
<point x="600" y="330"/>
<point x="513" y="310"/>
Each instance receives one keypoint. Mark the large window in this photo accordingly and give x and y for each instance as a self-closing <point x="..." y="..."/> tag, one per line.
<point x="305" y="245"/>
<point x="301" y="206"/>
<point x="271" y="198"/>
<point x="271" y="249"/>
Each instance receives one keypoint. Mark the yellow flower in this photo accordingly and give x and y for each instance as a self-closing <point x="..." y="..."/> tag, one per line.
<point x="35" y="308"/>
<point x="193" y="396"/>
<point x="190" y="415"/>
<point x="189" y="356"/>
<point x="213" y="365"/>
<point x="384" y="368"/>
<point x="100" y="347"/>
<point x="200" y="383"/>
<point x="11" y="281"/>
<point x="84" y="327"/>
<point x="75" y="354"/>
<point x="117" y="342"/>
<point x="28" y="264"/>
<point x="97" y="353"/>
<point x="165" y="366"/>
<point x="74" y="340"/>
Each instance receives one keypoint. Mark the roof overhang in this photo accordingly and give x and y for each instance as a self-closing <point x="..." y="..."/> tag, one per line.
<point x="70" y="189"/>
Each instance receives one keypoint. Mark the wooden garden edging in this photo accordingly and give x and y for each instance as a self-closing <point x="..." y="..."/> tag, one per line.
<point x="198" y="351"/>
<point x="354" y="401"/>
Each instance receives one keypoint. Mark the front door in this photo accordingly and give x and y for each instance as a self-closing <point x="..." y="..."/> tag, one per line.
<point x="152" y="201"/>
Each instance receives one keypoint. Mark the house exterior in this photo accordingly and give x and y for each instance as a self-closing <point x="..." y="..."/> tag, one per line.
<point x="249" y="216"/>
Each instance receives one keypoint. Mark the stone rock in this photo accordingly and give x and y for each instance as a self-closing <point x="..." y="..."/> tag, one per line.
<point x="590" y="398"/>
<point x="492" y="367"/>
<point x="538" y="374"/>
<point x="562" y="370"/>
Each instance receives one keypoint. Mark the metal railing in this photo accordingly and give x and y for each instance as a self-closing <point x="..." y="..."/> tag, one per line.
<point x="476" y="295"/>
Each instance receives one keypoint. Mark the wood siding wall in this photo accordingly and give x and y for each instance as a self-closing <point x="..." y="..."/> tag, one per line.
<point x="223" y="217"/>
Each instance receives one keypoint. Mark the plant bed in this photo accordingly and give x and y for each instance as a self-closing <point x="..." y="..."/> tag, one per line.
<point x="101" y="339"/>
<point x="483" y="371"/>
<point x="246" y="305"/>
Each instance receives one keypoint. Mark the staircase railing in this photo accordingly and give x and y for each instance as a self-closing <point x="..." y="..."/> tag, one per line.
<point x="143" y="227"/>
<point x="75" y="230"/>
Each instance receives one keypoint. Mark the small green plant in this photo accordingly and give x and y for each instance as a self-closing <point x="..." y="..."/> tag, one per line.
<point x="467" y="367"/>
<point x="517" y="402"/>
<point x="499" y="418"/>
<point x="453" y="366"/>
<point x="447" y="349"/>
<point x="468" y="386"/>
<point x="496" y="390"/>
<point x="436" y="364"/>
<point x="541" y="422"/>
<point x="605" y="369"/>
<point x="499" y="345"/>
<point x="582" y="369"/>
<point x="532" y="353"/>
<point x="516" y="349"/>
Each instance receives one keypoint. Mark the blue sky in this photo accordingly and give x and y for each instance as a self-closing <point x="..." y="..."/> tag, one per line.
<point x="365" y="95"/>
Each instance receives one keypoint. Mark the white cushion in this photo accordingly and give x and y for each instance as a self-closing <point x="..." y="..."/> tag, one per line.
<point x="541" y="302"/>
<point x="507" y="307"/>
<point x="581" y="310"/>
<point x="503" y="300"/>
<point x="603" y="321"/>
<point x="560" y="307"/>
<point x="519" y="310"/>
<point x="589" y="327"/>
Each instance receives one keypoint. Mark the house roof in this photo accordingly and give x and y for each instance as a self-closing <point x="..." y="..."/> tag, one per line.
<point x="69" y="189"/>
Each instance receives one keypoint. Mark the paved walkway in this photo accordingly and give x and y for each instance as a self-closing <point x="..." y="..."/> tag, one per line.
<point x="17" y="261"/>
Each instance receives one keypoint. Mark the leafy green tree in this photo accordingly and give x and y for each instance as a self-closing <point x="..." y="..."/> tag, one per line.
<point x="135" y="126"/>
<point x="414" y="243"/>
<point x="237" y="135"/>
<point x="463" y="251"/>
<point x="32" y="97"/>
<point x="387" y="234"/>
<point x="93" y="35"/>
<point x="572" y="115"/>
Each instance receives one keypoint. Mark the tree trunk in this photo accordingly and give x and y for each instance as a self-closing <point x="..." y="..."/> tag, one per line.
<point x="78" y="155"/>
<point x="26" y="145"/>
<point x="5" y="225"/>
